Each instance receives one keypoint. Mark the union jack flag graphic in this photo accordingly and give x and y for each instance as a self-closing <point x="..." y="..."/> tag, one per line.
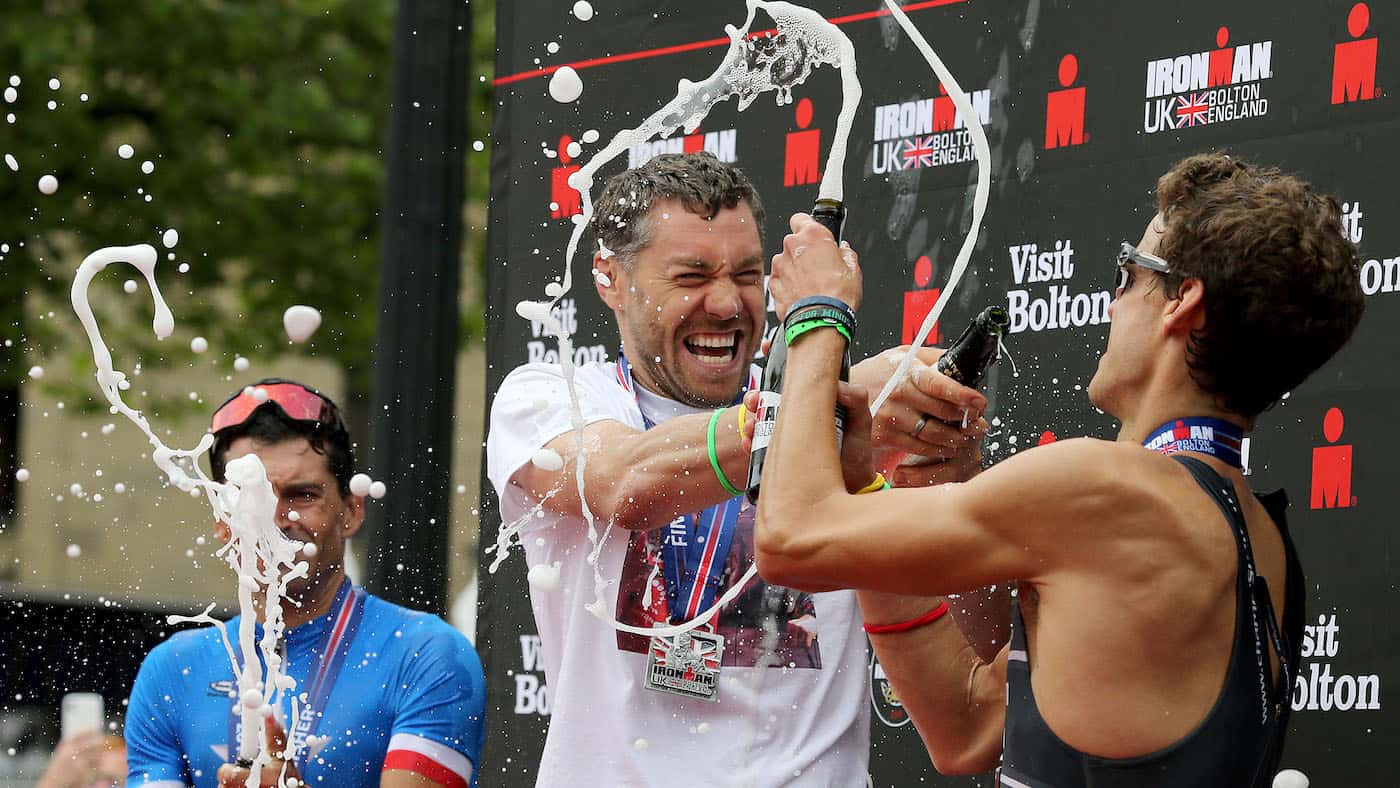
<point x="918" y="152"/>
<point x="1191" y="110"/>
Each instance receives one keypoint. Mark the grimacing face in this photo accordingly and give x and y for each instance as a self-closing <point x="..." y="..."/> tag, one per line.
<point x="1126" y="359"/>
<point x="304" y="484"/>
<point x="691" y="306"/>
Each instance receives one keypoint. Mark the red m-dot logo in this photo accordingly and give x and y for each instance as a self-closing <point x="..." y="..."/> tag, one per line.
<point x="1354" y="62"/>
<point x="1064" y="109"/>
<point x="1331" y="466"/>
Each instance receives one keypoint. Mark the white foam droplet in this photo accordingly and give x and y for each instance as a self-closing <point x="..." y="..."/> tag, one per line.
<point x="240" y="364"/>
<point x="360" y="484"/>
<point x="553" y="289"/>
<point x="252" y="698"/>
<point x="1291" y="778"/>
<point x="565" y="86"/>
<point x="377" y="490"/>
<point x="119" y="488"/>
<point x="54" y="83"/>
<point x="703" y="727"/>
<point x="129" y="285"/>
<point x="125" y="151"/>
<point x="603" y="279"/>
<point x="108" y="428"/>
<point x="590" y="136"/>
<point x="75" y="489"/>
<point x="48" y="184"/>
<point x="583" y="10"/>
<point x="73" y="551"/>
<point x="169" y="238"/>
<point x="11" y="162"/>
<point x="547" y="460"/>
<point x="184" y="267"/>
<point x="309" y="550"/>
<point x="199" y="344"/>
<point x="544" y="577"/>
<point x="641" y="745"/>
<point x="260" y="394"/>
<point x="573" y="149"/>
<point x="22" y="475"/>
<point x="301" y="322"/>
<point x="36" y="372"/>
<point x="478" y="146"/>
<point x="552" y="47"/>
<point x="294" y="516"/>
<point x="11" y="95"/>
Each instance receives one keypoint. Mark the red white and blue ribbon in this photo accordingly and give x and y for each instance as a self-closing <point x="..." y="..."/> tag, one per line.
<point x="346" y="612"/>
<point x="697" y="545"/>
<point x="1215" y="437"/>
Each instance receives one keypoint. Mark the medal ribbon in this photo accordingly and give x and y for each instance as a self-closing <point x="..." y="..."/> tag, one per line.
<point x="347" y="611"/>
<point x="696" y="545"/>
<point x="1220" y="439"/>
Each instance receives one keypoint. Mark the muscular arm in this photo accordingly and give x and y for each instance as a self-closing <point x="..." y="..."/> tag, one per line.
<point x="640" y="480"/>
<point x="399" y="778"/>
<point x="956" y="699"/>
<point x="1026" y="518"/>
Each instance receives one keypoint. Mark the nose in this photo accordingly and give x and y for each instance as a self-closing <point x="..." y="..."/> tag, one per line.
<point x="722" y="299"/>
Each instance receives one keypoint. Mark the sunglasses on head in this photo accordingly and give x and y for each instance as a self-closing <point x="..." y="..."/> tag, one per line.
<point x="1127" y="253"/>
<point x="299" y="402"/>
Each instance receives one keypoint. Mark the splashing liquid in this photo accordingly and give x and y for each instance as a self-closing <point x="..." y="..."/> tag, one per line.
<point x="774" y="62"/>
<point x="263" y="557"/>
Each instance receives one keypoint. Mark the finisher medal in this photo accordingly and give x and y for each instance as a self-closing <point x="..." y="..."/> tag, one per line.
<point x="686" y="665"/>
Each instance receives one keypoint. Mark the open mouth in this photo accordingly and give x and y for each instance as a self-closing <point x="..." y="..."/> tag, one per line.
<point x="713" y="349"/>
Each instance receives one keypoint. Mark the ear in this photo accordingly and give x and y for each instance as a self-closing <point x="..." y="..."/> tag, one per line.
<point x="610" y="271"/>
<point x="354" y="515"/>
<point x="1186" y="312"/>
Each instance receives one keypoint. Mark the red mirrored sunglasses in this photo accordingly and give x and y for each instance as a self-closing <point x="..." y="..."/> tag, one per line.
<point x="299" y="402"/>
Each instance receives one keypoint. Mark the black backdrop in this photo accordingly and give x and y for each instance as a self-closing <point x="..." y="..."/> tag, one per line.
<point x="1085" y="104"/>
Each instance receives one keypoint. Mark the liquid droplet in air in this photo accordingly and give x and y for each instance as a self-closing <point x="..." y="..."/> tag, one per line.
<point x="377" y="490"/>
<point x="565" y="86"/>
<point x="583" y="10"/>
<point x="169" y="238"/>
<point x="547" y="460"/>
<point x="48" y="184"/>
<point x="199" y="344"/>
<point x="301" y="322"/>
<point x="125" y="151"/>
<point x="360" y="484"/>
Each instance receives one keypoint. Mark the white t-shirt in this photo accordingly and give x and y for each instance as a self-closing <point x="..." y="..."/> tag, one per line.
<point x="803" y="721"/>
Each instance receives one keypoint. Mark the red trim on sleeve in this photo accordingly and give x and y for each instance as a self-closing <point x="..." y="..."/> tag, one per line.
<point x="419" y="763"/>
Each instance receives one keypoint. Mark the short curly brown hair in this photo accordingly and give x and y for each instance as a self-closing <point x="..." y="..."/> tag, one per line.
<point x="700" y="181"/>
<point x="1282" y="281"/>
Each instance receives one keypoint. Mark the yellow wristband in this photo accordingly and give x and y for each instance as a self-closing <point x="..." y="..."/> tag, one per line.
<point x="742" y="411"/>
<point x="875" y="486"/>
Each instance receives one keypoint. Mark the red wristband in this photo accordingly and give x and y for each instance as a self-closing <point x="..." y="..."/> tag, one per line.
<point x="938" y="611"/>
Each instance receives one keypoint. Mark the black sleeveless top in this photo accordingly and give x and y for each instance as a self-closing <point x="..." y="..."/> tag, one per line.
<point x="1239" y="742"/>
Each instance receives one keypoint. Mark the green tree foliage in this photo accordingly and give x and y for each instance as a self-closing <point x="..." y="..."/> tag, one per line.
<point x="264" y="120"/>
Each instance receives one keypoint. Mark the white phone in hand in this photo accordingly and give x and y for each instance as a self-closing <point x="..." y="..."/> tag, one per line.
<point x="80" y="711"/>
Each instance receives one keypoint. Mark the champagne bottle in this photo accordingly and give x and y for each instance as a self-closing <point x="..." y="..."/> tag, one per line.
<point x="831" y="214"/>
<point x="969" y="357"/>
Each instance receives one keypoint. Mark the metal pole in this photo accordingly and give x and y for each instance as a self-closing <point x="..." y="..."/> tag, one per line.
<point x="416" y="341"/>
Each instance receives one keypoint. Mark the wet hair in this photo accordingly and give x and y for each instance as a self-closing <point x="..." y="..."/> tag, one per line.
<point x="1282" y="281"/>
<point x="702" y="183"/>
<point x="269" y="424"/>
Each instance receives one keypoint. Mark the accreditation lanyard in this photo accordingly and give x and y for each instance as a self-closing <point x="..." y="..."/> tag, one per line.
<point x="696" y="545"/>
<point x="1220" y="439"/>
<point x="346" y="612"/>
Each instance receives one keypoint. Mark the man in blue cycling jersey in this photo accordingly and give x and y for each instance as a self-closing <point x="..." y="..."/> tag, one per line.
<point x="386" y="696"/>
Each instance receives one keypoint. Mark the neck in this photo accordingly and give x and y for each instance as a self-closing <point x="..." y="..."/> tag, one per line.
<point x="314" y="600"/>
<point x="1152" y="411"/>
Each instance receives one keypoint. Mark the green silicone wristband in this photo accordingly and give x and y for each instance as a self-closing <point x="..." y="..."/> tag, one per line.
<point x="714" y="456"/>
<point x="799" y="329"/>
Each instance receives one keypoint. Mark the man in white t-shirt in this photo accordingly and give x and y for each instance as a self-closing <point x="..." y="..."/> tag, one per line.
<point x="772" y="690"/>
